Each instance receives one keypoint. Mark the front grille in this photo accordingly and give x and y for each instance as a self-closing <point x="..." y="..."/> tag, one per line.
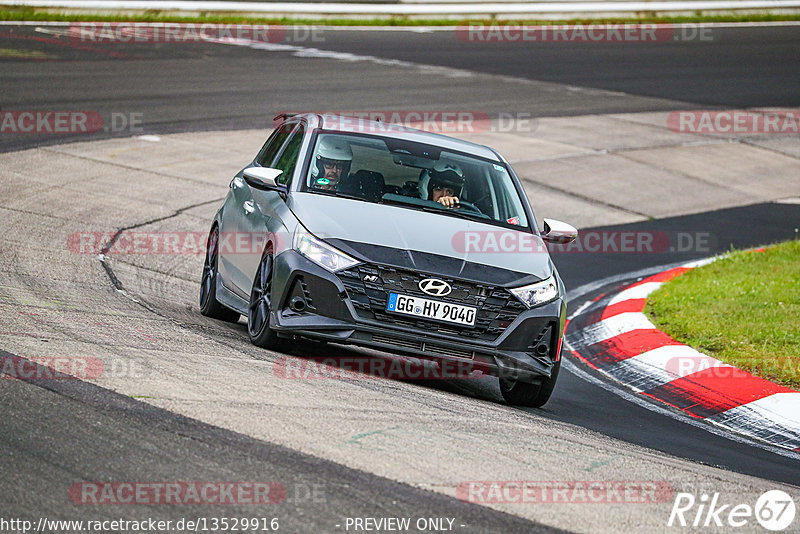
<point x="449" y="351"/>
<point x="397" y="341"/>
<point x="368" y="287"/>
<point x="424" y="347"/>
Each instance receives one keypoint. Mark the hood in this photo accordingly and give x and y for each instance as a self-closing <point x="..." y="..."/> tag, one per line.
<point x="420" y="240"/>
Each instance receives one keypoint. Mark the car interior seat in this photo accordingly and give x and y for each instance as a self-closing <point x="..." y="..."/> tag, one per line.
<point x="369" y="185"/>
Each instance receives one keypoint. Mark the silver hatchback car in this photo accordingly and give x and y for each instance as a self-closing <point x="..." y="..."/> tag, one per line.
<point x="364" y="233"/>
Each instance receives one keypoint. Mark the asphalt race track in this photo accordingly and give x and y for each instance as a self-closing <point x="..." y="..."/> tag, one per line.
<point x="198" y="86"/>
<point x="208" y="406"/>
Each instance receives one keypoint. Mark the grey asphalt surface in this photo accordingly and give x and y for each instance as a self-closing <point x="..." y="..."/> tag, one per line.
<point x="199" y="86"/>
<point x="77" y="431"/>
<point x="57" y="432"/>
<point x="709" y="67"/>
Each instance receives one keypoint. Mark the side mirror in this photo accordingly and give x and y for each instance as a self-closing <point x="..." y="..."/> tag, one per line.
<point x="558" y="232"/>
<point x="263" y="178"/>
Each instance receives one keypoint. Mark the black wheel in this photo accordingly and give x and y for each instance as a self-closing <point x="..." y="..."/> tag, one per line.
<point x="258" y="328"/>
<point x="519" y="393"/>
<point x="209" y="306"/>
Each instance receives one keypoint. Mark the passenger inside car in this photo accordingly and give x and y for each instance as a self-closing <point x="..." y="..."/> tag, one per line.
<point x="331" y="163"/>
<point x="390" y="172"/>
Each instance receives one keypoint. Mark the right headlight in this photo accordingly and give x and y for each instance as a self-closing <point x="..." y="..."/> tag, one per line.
<point x="320" y="252"/>
<point x="537" y="294"/>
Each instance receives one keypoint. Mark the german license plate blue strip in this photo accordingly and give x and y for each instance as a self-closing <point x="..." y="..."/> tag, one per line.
<point x="431" y="309"/>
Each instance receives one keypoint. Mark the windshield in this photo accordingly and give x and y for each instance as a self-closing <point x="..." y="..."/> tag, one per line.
<point x="415" y="176"/>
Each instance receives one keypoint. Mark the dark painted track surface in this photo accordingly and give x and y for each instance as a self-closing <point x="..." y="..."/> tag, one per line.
<point x="201" y="87"/>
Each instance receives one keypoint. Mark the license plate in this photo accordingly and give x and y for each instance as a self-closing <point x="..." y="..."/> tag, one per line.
<point x="431" y="309"/>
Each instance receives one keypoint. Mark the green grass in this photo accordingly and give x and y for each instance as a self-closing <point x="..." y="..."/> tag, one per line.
<point x="46" y="14"/>
<point x="743" y="309"/>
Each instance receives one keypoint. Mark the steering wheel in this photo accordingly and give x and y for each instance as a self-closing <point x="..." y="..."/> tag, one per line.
<point x="469" y="206"/>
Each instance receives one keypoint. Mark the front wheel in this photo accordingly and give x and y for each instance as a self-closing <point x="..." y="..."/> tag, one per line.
<point x="518" y="393"/>
<point x="209" y="305"/>
<point x="258" y="328"/>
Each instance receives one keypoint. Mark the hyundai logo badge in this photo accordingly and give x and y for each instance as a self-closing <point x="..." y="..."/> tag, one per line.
<point x="435" y="287"/>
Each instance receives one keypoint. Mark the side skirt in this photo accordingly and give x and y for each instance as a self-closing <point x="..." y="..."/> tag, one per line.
<point x="231" y="300"/>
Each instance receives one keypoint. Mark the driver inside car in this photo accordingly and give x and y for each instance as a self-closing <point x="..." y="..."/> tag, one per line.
<point x="444" y="183"/>
<point x="331" y="163"/>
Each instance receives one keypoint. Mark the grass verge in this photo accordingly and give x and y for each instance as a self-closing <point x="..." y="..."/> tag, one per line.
<point x="743" y="309"/>
<point x="41" y="14"/>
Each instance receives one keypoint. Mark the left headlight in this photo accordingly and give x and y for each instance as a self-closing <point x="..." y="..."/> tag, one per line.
<point x="538" y="293"/>
<point x="320" y="252"/>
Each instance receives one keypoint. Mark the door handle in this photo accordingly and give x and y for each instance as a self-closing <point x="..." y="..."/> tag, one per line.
<point x="249" y="207"/>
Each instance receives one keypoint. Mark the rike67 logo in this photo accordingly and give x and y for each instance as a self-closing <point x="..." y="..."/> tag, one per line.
<point x="774" y="510"/>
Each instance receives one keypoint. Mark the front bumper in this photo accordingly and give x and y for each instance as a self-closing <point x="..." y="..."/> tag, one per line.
<point x="509" y="340"/>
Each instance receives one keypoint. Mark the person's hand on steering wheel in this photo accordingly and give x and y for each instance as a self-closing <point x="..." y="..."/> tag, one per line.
<point x="448" y="201"/>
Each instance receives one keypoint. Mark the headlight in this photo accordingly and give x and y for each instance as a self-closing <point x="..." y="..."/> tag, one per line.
<point x="538" y="293"/>
<point x="320" y="252"/>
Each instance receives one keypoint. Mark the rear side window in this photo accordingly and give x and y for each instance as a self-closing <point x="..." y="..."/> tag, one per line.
<point x="287" y="161"/>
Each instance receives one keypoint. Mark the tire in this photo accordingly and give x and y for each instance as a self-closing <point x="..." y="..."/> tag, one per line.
<point x="261" y="335"/>
<point x="518" y="393"/>
<point x="209" y="306"/>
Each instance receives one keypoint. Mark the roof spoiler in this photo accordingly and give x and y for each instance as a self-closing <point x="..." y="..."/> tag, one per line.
<point x="284" y="116"/>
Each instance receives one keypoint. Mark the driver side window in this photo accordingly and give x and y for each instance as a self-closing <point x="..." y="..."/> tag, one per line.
<point x="287" y="161"/>
<point x="274" y="144"/>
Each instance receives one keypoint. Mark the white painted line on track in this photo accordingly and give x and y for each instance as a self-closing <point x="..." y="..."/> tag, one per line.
<point x="661" y="365"/>
<point x="515" y="8"/>
<point x="428" y="29"/>
<point x="783" y="408"/>
<point x="580" y="291"/>
<point x="639" y="291"/>
<point x="774" y="419"/>
<point x="450" y="72"/>
<point x="700" y="263"/>
<point x="611" y="327"/>
<point x="701" y="424"/>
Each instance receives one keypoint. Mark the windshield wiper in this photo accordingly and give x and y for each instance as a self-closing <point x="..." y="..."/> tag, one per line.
<point x="471" y="215"/>
<point x="403" y="200"/>
<point x="423" y="205"/>
<point x="335" y="194"/>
